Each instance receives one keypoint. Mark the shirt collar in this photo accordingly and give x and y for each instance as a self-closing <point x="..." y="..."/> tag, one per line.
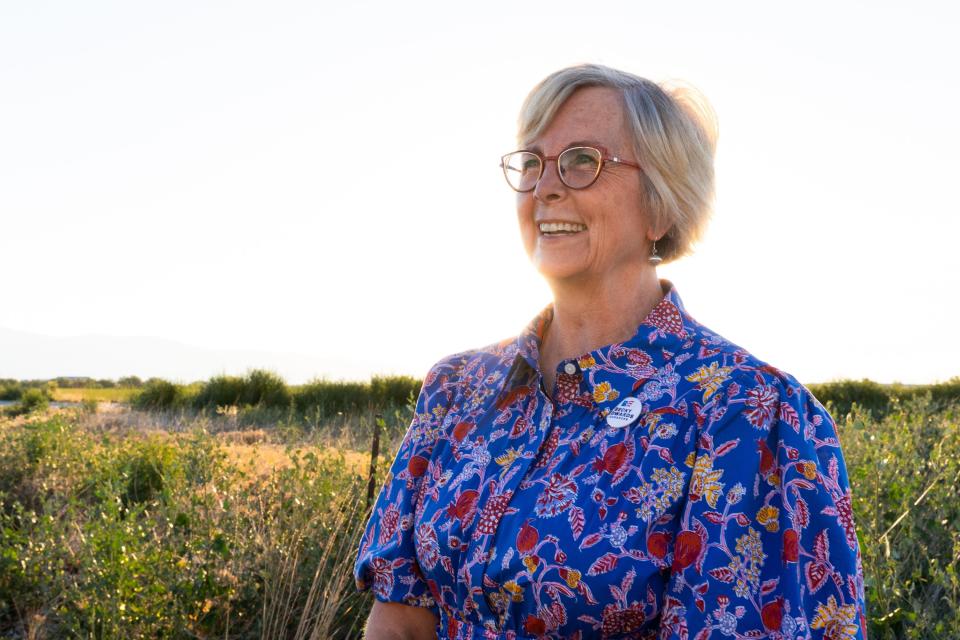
<point x="657" y="339"/>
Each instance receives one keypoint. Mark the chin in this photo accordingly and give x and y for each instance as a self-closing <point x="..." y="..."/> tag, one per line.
<point x="554" y="271"/>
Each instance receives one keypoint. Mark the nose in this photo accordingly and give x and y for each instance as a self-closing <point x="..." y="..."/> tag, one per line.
<point x="550" y="188"/>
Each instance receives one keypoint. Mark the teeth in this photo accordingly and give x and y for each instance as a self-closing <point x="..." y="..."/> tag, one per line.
<point x="553" y="227"/>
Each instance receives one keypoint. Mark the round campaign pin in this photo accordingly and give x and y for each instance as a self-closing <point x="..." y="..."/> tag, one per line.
<point x="624" y="413"/>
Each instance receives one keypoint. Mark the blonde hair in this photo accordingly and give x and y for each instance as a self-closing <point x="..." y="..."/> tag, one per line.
<point x="675" y="137"/>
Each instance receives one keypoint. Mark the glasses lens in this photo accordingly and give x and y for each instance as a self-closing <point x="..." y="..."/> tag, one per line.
<point x="522" y="169"/>
<point x="579" y="166"/>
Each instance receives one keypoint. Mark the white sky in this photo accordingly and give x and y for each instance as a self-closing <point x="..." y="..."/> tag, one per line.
<point x="241" y="175"/>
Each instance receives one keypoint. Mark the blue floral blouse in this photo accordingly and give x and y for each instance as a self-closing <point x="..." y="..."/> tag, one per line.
<point x="674" y="486"/>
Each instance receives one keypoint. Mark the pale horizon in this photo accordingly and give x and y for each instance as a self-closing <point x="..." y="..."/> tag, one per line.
<point x="239" y="178"/>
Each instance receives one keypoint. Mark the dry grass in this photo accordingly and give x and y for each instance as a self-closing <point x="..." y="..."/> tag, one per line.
<point x="117" y="394"/>
<point x="261" y="458"/>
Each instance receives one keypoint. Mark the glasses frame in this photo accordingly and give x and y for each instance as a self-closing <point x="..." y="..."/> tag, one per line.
<point x="604" y="158"/>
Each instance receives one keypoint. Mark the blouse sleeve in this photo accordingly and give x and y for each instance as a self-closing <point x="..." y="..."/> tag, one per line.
<point x="386" y="559"/>
<point x="767" y="545"/>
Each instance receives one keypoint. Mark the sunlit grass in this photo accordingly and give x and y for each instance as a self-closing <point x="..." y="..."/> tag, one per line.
<point x="115" y="394"/>
<point x="262" y="458"/>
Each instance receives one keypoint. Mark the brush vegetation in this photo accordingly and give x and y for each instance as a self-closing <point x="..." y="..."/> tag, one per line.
<point x="112" y="529"/>
<point x="265" y="390"/>
<point x="244" y="522"/>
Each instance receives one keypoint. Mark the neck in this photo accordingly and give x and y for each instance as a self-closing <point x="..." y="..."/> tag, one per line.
<point x="590" y="315"/>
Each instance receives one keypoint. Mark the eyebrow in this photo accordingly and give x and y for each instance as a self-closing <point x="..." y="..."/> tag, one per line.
<point x="574" y="143"/>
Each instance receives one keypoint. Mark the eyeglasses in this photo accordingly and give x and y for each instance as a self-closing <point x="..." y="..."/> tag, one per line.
<point x="578" y="167"/>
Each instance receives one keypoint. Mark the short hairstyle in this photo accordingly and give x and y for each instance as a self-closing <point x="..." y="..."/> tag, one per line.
<point x="675" y="137"/>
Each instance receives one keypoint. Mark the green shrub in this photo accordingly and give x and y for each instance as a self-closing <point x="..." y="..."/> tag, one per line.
<point x="904" y="471"/>
<point x="32" y="401"/>
<point x="220" y="391"/>
<point x="842" y="394"/>
<point x="332" y="397"/>
<point x="944" y="394"/>
<point x="130" y="381"/>
<point x="265" y="388"/>
<point x="10" y="390"/>
<point x="158" y="394"/>
<point x="881" y="399"/>
<point x="394" y="390"/>
<point x="46" y="449"/>
<point x="146" y="469"/>
<point x="259" y="388"/>
<point x="76" y="382"/>
<point x="130" y="536"/>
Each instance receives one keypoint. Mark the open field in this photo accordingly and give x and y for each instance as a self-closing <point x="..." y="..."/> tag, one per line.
<point x="115" y="394"/>
<point x="124" y="524"/>
<point x="263" y="458"/>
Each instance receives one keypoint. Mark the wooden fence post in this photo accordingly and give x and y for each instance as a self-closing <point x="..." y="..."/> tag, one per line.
<point x="374" y="454"/>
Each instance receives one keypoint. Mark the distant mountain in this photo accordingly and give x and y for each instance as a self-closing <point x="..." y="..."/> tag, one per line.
<point x="25" y="355"/>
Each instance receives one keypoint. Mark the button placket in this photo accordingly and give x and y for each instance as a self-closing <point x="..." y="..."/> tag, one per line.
<point x="541" y="415"/>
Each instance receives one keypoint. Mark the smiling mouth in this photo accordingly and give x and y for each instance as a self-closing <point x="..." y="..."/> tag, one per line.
<point x="561" y="228"/>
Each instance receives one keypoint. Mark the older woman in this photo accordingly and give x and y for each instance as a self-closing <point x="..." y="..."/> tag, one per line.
<point x="617" y="470"/>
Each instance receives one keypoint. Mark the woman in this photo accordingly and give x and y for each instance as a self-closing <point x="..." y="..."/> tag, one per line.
<point x="617" y="470"/>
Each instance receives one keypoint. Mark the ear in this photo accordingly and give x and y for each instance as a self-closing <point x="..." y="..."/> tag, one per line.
<point x="657" y="231"/>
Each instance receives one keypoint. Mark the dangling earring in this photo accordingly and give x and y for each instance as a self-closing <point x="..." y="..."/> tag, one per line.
<point x="654" y="259"/>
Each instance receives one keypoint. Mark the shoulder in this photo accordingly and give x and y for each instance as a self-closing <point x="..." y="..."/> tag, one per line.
<point x="746" y="386"/>
<point x="464" y="367"/>
<point x="456" y="376"/>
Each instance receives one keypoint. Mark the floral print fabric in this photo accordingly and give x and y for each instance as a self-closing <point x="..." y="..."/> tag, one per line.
<point x="722" y="510"/>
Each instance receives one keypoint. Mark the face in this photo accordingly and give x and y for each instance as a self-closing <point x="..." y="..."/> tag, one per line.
<point x="617" y="235"/>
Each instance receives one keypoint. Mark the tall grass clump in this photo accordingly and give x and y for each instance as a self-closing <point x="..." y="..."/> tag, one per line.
<point x="160" y="395"/>
<point x="387" y="391"/>
<point x="258" y="388"/>
<point x="266" y="389"/>
<point x="332" y="397"/>
<point x="220" y="391"/>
